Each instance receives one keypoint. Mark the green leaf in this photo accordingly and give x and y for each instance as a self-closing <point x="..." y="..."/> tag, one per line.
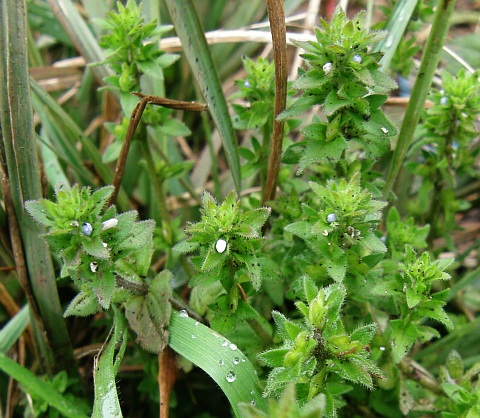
<point x="403" y="335"/>
<point x="84" y="304"/>
<point x="37" y="210"/>
<point x="95" y="247"/>
<point x="104" y="287"/>
<point x="273" y="358"/>
<point x="217" y="357"/>
<point x="364" y="334"/>
<point x="185" y="247"/>
<point x="139" y="236"/>
<point x="148" y="315"/>
<point x="100" y="198"/>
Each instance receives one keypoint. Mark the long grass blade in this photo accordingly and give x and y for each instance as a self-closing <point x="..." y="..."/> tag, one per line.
<point x="219" y="358"/>
<point x="196" y="49"/>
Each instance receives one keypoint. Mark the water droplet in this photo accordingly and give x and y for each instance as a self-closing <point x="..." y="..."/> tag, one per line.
<point x="87" y="229"/>
<point x="327" y="67"/>
<point x="233" y="346"/>
<point x="230" y="376"/>
<point x="357" y="58"/>
<point x="224" y="343"/>
<point x="196" y="323"/>
<point x="246" y="83"/>
<point x="384" y="130"/>
<point x="93" y="266"/>
<point x="386" y="292"/>
<point x="193" y="336"/>
<point x="252" y="402"/>
<point x="389" y="42"/>
<point x="183" y="314"/>
<point x="221" y="245"/>
<point x="382" y="348"/>
<point x="332" y="217"/>
<point x="325" y="233"/>
<point x="221" y="362"/>
<point x="236" y="361"/>
<point x="110" y="223"/>
<point x="444" y="101"/>
<point x="244" y="359"/>
<point x="252" y="392"/>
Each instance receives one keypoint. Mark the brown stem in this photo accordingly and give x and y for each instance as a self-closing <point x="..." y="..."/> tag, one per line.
<point x="276" y="15"/>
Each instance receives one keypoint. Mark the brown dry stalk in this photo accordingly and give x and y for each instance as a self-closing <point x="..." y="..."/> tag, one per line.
<point x="132" y="126"/>
<point x="276" y="15"/>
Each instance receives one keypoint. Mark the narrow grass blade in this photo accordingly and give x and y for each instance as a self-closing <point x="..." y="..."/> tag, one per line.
<point x="32" y="384"/>
<point x="219" y="358"/>
<point x="11" y="332"/>
<point x="430" y="59"/>
<point x="196" y="49"/>
<point x="396" y="28"/>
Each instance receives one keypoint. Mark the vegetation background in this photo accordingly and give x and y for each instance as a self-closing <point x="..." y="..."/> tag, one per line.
<point x="77" y="63"/>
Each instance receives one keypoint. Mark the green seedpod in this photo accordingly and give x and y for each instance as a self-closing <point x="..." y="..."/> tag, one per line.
<point x="454" y="365"/>
<point x="292" y="358"/>
<point x="317" y="311"/>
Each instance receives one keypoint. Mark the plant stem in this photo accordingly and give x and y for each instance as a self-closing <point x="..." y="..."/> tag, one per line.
<point x="158" y="191"/>
<point x="430" y="59"/>
<point x="276" y="15"/>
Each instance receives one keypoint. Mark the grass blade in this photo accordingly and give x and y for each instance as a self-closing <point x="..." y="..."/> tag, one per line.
<point x="396" y="28"/>
<point x="196" y="49"/>
<point x="39" y="388"/>
<point x="218" y="358"/>
<point x="14" y="328"/>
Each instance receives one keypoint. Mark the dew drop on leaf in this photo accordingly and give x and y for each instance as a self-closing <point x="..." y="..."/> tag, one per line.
<point x="230" y="376"/>
<point x="221" y="362"/>
<point x="221" y="245"/>
<point x="236" y="361"/>
<point x="327" y="67"/>
<point x="233" y="346"/>
<point x="183" y="314"/>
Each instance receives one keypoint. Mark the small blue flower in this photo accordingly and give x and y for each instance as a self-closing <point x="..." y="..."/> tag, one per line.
<point x="87" y="229"/>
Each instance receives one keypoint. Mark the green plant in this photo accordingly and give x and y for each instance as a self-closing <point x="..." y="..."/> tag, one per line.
<point x="446" y="150"/>
<point x="320" y="289"/>
<point x="345" y="78"/>
<point x="317" y="353"/>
